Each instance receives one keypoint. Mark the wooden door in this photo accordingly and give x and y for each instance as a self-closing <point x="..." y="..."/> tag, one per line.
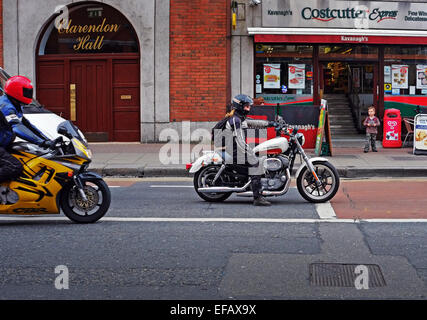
<point x="91" y="111"/>
<point x="52" y="90"/>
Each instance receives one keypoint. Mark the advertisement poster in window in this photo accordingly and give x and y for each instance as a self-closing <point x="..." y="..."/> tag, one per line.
<point x="387" y="74"/>
<point x="421" y="76"/>
<point x="399" y="74"/>
<point x="296" y="76"/>
<point x="271" y="76"/>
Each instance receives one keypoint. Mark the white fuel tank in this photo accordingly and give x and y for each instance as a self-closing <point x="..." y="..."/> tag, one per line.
<point x="275" y="143"/>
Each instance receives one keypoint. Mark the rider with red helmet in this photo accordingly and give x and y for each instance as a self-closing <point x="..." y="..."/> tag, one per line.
<point x="18" y="91"/>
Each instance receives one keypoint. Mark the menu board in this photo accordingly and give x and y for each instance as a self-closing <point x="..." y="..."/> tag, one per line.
<point x="296" y="76"/>
<point x="421" y="76"/>
<point x="399" y="75"/>
<point x="271" y="76"/>
<point x="420" y="134"/>
<point x="320" y="127"/>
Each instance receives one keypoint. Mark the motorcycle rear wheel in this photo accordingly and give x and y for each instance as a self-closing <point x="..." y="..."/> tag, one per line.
<point x="80" y="211"/>
<point x="203" y="179"/>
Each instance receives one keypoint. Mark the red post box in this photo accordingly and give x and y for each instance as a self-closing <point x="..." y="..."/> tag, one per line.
<point x="392" y="129"/>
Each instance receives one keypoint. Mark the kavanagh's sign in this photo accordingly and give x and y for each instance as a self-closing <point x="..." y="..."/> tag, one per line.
<point x="88" y="37"/>
<point x="344" y="14"/>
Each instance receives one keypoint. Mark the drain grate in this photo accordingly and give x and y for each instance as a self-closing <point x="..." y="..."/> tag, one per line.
<point x="343" y="275"/>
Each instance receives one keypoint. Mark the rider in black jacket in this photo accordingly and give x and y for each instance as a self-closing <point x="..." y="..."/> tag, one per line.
<point x="242" y="153"/>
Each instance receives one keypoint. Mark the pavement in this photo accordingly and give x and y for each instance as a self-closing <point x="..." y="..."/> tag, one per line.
<point x="169" y="159"/>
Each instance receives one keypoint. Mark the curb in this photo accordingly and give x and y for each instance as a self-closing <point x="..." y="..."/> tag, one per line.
<point x="344" y="172"/>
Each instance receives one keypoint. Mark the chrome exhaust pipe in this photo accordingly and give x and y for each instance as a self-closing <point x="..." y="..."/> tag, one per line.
<point x="224" y="189"/>
<point x="268" y="193"/>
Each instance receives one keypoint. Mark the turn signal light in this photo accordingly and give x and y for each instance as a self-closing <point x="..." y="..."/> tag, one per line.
<point x="188" y="166"/>
<point x="70" y="174"/>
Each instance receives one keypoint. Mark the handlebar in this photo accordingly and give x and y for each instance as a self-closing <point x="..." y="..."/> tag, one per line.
<point x="282" y="126"/>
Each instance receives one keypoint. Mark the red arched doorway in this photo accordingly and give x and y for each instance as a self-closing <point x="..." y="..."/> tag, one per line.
<point x="88" y="71"/>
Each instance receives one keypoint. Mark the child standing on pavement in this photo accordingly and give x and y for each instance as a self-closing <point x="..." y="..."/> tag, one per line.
<point x="371" y="123"/>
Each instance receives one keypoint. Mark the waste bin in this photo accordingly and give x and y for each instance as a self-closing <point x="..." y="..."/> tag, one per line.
<point x="392" y="129"/>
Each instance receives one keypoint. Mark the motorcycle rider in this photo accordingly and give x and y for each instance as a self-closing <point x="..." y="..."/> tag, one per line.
<point x="236" y="126"/>
<point x="18" y="90"/>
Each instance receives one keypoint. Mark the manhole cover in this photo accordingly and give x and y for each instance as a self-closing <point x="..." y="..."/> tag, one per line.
<point x="343" y="275"/>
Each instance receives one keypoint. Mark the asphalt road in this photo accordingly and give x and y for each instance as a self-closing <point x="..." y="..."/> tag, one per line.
<point x="159" y="240"/>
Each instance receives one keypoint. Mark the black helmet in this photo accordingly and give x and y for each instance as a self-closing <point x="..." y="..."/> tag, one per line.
<point x="240" y="101"/>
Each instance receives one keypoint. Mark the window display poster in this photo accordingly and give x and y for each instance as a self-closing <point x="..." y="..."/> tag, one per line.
<point x="387" y="74"/>
<point x="399" y="74"/>
<point x="271" y="76"/>
<point x="296" y="76"/>
<point x="421" y="76"/>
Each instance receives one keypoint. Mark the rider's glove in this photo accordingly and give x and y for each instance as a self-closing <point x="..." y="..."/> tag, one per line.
<point x="48" y="144"/>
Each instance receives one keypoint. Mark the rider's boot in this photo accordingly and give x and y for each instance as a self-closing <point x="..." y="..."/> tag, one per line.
<point x="3" y="195"/>
<point x="261" y="201"/>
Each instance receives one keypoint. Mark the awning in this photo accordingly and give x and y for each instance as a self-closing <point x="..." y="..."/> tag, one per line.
<point x="329" y="35"/>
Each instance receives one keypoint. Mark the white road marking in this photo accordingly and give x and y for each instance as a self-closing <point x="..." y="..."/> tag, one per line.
<point x="235" y="220"/>
<point x="325" y="210"/>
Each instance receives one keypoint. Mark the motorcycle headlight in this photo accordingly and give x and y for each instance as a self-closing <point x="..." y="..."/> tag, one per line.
<point x="301" y="138"/>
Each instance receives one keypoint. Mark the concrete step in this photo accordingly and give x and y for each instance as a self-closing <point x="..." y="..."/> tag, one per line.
<point x="342" y="116"/>
<point x="343" y="132"/>
<point x="340" y="106"/>
<point x="335" y="101"/>
<point x="333" y="95"/>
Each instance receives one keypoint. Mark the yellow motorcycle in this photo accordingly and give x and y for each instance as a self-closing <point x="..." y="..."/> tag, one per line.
<point x="55" y="179"/>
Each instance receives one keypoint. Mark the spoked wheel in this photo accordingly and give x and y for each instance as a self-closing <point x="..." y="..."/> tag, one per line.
<point x="329" y="178"/>
<point x="204" y="179"/>
<point x="81" y="211"/>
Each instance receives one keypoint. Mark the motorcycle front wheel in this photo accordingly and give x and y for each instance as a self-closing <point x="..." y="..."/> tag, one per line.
<point x="204" y="178"/>
<point x="329" y="178"/>
<point x="98" y="201"/>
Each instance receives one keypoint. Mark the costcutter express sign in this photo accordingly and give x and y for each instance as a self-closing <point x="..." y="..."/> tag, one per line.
<point x="344" y="14"/>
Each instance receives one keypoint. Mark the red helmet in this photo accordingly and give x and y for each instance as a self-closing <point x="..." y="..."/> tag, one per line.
<point x="20" y="88"/>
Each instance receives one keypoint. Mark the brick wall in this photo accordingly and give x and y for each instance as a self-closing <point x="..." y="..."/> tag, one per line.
<point x="1" y="33"/>
<point x="199" y="59"/>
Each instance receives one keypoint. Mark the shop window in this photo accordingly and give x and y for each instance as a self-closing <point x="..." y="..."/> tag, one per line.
<point x="284" y="73"/>
<point x="405" y="78"/>
<point x="348" y="52"/>
<point x="405" y="70"/>
<point x="90" y="28"/>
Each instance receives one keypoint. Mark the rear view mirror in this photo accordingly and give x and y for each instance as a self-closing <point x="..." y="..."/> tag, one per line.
<point x="62" y="129"/>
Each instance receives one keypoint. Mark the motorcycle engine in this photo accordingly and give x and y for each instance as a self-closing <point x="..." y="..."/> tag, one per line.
<point x="274" y="169"/>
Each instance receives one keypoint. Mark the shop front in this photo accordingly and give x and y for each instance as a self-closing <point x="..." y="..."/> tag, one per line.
<point x="102" y="64"/>
<point x="352" y="53"/>
<point x="87" y="68"/>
